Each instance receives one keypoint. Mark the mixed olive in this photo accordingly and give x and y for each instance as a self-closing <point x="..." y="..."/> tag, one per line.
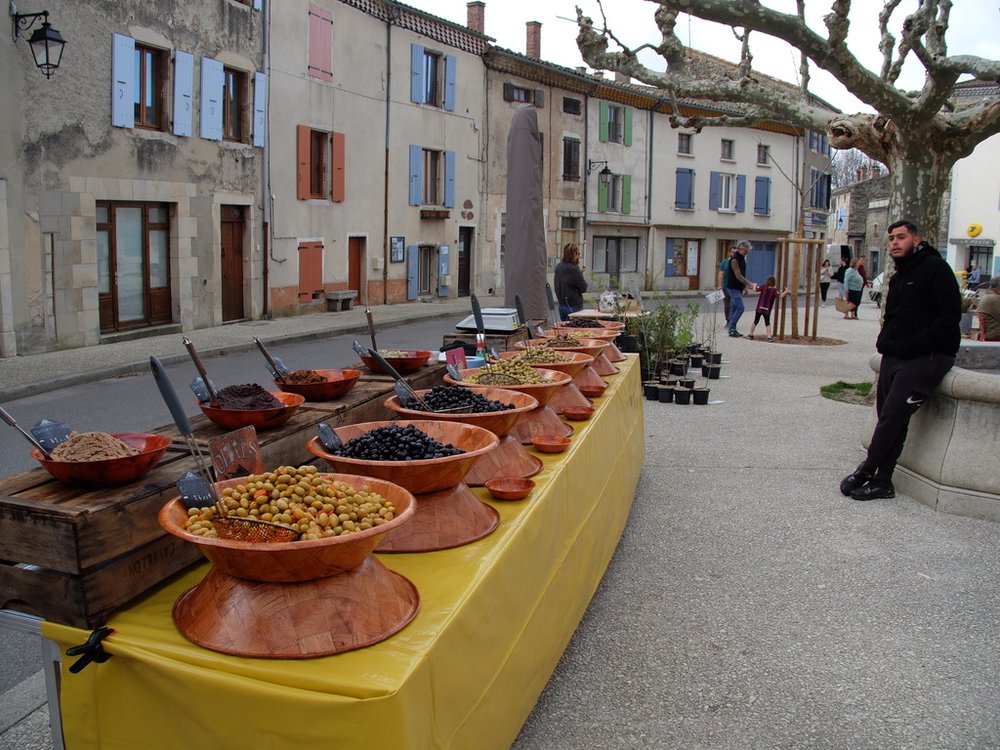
<point x="506" y="372"/>
<point x="543" y="355"/>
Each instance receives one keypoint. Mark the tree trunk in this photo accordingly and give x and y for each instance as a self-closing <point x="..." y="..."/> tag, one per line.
<point x="918" y="186"/>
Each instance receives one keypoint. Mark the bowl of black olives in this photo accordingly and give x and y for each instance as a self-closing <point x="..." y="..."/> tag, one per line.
<point x="495" y="409"/>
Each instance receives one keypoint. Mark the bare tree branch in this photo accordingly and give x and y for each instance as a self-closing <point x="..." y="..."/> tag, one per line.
<point x="887" y="43"/>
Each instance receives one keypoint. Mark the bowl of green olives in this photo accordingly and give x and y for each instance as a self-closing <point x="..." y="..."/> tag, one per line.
<point x="402" y="360"/>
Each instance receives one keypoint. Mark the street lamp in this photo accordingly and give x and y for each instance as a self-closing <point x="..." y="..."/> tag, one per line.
<point x="46" y="42"/>
<point x="604" y="175"/>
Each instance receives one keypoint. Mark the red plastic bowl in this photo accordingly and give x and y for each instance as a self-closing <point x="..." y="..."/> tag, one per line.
<point x="337" y="383"/>
<point x="577" y="413"/>
<point x="259" y="419"/>
<point x="550" y="443"/>
<point x="509" y="488"/>
<point x="110" y="471"/>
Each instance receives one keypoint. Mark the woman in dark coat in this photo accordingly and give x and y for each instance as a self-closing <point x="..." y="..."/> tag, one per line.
<point x="569" y="282"/>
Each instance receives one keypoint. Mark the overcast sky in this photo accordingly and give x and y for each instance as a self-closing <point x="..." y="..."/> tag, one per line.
<point x="973" y="31"/>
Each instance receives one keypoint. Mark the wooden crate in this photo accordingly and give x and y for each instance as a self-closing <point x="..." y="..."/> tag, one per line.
<point x="73" y="555"/>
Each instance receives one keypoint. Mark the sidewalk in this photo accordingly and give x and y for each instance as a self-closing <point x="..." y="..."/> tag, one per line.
<point x="749" y="604"/>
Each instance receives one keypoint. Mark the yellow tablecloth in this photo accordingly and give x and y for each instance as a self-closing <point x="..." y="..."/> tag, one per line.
<point x="495" y="617"/>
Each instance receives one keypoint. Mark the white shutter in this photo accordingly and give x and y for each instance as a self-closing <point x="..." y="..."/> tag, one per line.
<point x="122" y="81"/>
<point x="212" y="84"/>
<point x="259" y="108"/>
<point x="183" y="92"/>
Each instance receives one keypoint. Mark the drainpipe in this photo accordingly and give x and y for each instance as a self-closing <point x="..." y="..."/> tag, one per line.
<point x="265" y="170"/>
<point x="586" y="177"/>
<point x="649" y="200"/>
<point x="394" y="13"/>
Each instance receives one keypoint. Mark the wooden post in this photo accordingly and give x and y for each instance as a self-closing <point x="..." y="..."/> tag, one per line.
<point x="808" y="299"/>
<point x="780" y="272"/>
<point x="816" y="274"/>
<point x="796" y="264"/>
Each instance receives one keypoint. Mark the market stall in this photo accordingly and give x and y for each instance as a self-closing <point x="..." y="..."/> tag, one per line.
<point x="495" y="616"/>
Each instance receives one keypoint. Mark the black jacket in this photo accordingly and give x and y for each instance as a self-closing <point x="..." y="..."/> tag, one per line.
<point x="923" y="307"/>
<point x="569" y="285"/>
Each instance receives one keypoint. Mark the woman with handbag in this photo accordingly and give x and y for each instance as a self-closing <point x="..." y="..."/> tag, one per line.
<point x="853" y="285"/>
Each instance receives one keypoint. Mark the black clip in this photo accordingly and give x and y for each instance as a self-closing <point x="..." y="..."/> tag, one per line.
<point x="90" y="651"/>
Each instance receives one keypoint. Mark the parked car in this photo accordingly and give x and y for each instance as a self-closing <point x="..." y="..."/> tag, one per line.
<point x="875" y="290"/>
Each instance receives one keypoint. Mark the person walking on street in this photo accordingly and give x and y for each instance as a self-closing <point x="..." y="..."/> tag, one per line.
<point x="919" y="339"/>
<point x="736" y="285"/>
<point x="769" y="295"/>
<point x="838" y="275"/>
<point x="989" y="308"/>
<point x="569" y="282"/>
<point x="825" y="274"/>
<point x="723" y="282"/>
<point x="853" y="285"/>
<point x="863" y="271"/>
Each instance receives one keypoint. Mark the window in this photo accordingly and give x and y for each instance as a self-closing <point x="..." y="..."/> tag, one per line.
<point x="616" y="124"/>
<point x="148" y="99"/>
<point x="819" y="190"/>
<point x="615" y="194"/>
<point x="515" y="93"/>
<point x="683" y="143"/>
<point x="233" y="96"/>
<point x="569" y="231"/>
<point x="763" y="154"/>
<point x="572" y="106"/>
<point x="431" y="65"/>
<point x="430" y="195"/>
<point x="317" y="163"/>
<point x="133" y="265"/>
<point x="321" y="158"/>
<point x="727" y="192"/>
<point x="727" y="149"/>
<point x="571" y="159"/>
<point x="432" y="77"/>
<point x="614" y="255"/>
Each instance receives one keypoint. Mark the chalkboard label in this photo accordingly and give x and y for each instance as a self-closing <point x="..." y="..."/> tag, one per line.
<point x="279" y="370"/>
<point x="50" y="434"/>
<point x="455" y="374"/>
<point x="328" y="437"/>
<point x="195" y="492"/>
<point x="198" y="386"/>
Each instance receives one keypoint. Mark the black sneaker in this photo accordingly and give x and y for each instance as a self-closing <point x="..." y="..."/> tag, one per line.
<point x="876" y="489"/>
<point x="854" y="480"/>
<point x="735" y="334"/>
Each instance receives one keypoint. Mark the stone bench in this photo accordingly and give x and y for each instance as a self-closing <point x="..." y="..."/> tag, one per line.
<point x="336" y="301"/>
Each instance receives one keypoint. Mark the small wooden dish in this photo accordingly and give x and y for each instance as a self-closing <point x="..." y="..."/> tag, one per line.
<point x="259" y="419"/>
<point x="337" y="383"/>
<point x="578" y="413"/>
<point x="592" y="391"/>
<point x="110" y="471"/>
<point x="509" y="488"/>
<point x="413" y="361"/>
<point x="550" y="443"/>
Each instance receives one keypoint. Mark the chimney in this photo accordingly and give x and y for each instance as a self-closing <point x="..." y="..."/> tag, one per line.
<point x="622" y="77"/>
<point x="534" y="46"/>
<point x="476" y="16"/>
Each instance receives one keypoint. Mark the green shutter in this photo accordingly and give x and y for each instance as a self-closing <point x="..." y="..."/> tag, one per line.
<point x="627" y="139"/>
<point x="602" y="196"/>
<point x="604" y="122"/>
<point x="626" y="193"/>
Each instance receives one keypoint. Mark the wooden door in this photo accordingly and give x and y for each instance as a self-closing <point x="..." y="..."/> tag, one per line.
<point x="464" y="261"/>
<point x="355" y="261"/>
<point x="232" y="262"/>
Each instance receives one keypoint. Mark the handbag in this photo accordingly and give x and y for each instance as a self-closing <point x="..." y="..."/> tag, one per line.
<point x="844" y="306"/>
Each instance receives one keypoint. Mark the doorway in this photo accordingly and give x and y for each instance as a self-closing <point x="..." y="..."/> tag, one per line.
<point x="355" y="262"/>
<point x="464" y="260"/>
<point x="425" y="268"/>
<point x="232" y="219"/>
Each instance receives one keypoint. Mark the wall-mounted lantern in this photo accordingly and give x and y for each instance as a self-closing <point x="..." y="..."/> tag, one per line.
<point x="46" y="43"/>
<point x="604" y="175"/>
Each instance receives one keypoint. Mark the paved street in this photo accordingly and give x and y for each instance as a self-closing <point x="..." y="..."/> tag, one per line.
<point x="749" y="604"/>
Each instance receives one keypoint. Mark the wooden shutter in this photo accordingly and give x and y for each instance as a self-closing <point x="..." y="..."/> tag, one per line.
<point x="338" y="173"/>
<point x="626" y="193"/>
<point x="320" y="44"/>
<point x="449" y="179"/>
<point x="684" y="193"/>
<point x="417" y="73"/>
<point x="310" y="270"/>
<point x="668" y="259"/>
<point x="602" y="195"/>
<point x="122" y="81"/>
<point x="412" y="265"/>
<point x="416" y="175"/>
<point x="714" y="187"/>
<point x="450" y="72"/>
<point x="603" y="131"/>
<point x="183" y="93"/>
<point x="538" y="98"/>
<point x="303" y="158"/>
<point x="627" y="135"/>
<point x="213" y="82"/>
<point x="762" y="196"/>
<point x="259" y="109"/>
<point x="741" y="193"/>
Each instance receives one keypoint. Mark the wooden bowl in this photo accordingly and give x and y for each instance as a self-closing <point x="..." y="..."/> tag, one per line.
<point x="550" y="443"/>
<point x="577" y="361"/>
<point x="337" y="383"/>
<point x="509" y="488"/>
<point x="541" y="391"/>
<point x="287" y="562"/>
<point x="577" y="413"/>
<point x="110" y="471"/>
<point x="260" y="419"/>
<point x="614" y="325"/>
<point x="497" y="422"/>
<point x="415" y="359"/>
<point x="419" y="477"/>
<point x="584" y="333"/>
<point x="591" y="347"/>
<point x="592" y="391"/>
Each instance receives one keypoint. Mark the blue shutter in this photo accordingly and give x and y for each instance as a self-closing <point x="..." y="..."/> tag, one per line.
<point x="668" y="259"/>
<point x="183" y="92"/>
<point x="417" y="73"/>
<point x="412" y="261"/>
<point x="762" y="196"/>
<point x="259" y="108"/>
<point x="449" y="82"/>
<point x="212" y="84"/>
<point x="444" y="268"/>
<point x="714" y="187"/>
<point x="684" y="197"/>
<point x="741" y="193"/>
<point x="449" y="179"/>
<point x="122" y="81"/>
<point x="416" y="176"/>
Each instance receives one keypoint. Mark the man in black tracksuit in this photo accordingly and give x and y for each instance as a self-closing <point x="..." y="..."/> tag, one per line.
<point x="918" y="342"/>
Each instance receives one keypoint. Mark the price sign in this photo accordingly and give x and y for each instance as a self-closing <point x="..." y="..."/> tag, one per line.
<point x="455" y="374"/>
<point x="236" y="454"/>
<point x="50" y="434"/>
<point x="328" y="437"/>
<point x="195" y="492"/>
<point x="279" y="370"/>
<point x="198" y="386"/>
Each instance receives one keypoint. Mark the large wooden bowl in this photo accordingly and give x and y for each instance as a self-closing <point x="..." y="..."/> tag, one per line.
<point x="612" y="325"/>
<point x="577" y="361"/>
<point x="110" y="471"/>
<point x="415" y="359"/>
<point x="259" y="419"/>
<point x="288" y="562"/>
<point x="337" y="383"/>
<point x="541" y="391"/>
<point x="591" y="347"/>
<point x="497" y="422"/>
<point x="584" y="333"/>
<point x="425" y="475"/>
